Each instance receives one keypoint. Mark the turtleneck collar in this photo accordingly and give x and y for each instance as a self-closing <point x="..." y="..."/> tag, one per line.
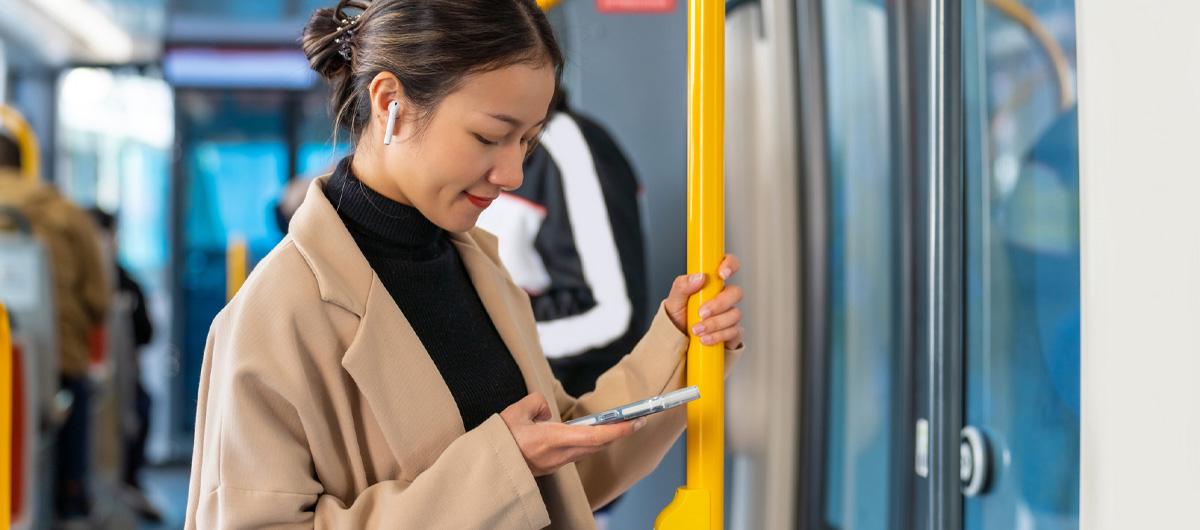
<point x="381" y="222"/>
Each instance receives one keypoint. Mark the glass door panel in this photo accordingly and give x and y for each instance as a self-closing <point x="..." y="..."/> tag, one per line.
<point x="1022" y="299"/>
<point x="862" y="263"/>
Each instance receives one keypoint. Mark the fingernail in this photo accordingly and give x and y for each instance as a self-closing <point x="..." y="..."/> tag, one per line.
<point x="707" y="340"/>
<point x="704" y="312"/>
<point x="698" y="329"/>
<point x="638" y="424"/>
<point x="725" y="273"/>
<point x="697" y="278"/>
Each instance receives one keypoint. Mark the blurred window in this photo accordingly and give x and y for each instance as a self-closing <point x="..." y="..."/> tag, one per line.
<point x="113" y="150"/>
<point x="863" y="306"/>
<point x="315" y="156"/>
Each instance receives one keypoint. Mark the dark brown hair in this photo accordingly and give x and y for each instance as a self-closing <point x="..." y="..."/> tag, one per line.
<point x="429" y="45"/>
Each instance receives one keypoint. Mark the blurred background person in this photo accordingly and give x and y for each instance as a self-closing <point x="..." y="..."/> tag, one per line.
<point x="81" y="301"/>
<point x="571" y="236"/>
<point x="131" y="329"/>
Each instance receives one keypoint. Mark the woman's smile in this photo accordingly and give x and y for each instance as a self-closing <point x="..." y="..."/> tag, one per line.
<point x="480" y="202"/>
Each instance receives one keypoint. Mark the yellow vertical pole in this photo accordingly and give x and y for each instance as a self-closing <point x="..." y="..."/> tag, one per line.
<point x="700" y="505"/>
<point x="235" y="266"/>
<point x="6" y="418"/>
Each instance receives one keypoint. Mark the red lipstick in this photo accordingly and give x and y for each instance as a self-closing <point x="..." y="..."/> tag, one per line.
<point x="479" y="202"/>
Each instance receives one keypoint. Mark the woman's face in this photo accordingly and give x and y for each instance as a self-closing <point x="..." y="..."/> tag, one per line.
<point x="472" y="147"/>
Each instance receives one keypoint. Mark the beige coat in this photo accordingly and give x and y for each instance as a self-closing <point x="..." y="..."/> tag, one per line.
<point x="319" y="407"/>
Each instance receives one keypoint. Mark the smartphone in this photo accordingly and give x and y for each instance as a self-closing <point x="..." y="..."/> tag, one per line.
<point x="641" y="408"/>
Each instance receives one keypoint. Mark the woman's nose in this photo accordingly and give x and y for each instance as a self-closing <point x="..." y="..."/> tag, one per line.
<point x="509" y="172"/>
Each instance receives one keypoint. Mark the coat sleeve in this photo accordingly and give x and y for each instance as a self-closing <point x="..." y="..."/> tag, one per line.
<point x="480" y="482"/>
<point x="655" y="366"/>
<point x="253" y="467"/>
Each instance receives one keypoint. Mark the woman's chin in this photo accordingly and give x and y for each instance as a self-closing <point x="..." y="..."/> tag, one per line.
<point x="460" y="224"/>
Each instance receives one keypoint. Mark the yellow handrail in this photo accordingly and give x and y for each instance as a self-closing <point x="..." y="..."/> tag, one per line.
<point x="235" y="266"/>
<point x="1017" y="11"/>
<point x="700" y="505"/>
<point x="12" y="121"/>
<point x="6" y="418"/>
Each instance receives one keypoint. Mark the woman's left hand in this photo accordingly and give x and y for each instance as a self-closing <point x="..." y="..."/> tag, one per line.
<point x="720" y="319"/>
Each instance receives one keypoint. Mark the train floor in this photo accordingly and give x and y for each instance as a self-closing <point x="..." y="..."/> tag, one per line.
<point x="166" y="487"/>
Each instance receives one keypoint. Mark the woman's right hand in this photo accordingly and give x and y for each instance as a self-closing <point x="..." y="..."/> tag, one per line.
<point x="549" y="445"/>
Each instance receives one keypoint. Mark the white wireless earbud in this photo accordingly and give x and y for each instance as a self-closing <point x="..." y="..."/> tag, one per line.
<point x="393" y="110"/>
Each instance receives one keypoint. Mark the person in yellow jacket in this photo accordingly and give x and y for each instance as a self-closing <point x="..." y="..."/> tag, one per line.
<point x="81" y="301"/>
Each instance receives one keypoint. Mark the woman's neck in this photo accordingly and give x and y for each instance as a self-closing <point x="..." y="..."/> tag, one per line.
<point x="369" y="168"/>
<point x="380" y="225"/>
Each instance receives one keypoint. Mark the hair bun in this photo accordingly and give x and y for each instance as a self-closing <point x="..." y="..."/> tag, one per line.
<point x="318" y="43"/>
<point x="322" y="40"/>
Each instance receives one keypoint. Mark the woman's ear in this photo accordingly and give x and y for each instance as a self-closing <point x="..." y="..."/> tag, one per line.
<point x="387" y="104"/>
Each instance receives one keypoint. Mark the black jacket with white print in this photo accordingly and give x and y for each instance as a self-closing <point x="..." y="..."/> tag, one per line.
<point x="571" y="237"/>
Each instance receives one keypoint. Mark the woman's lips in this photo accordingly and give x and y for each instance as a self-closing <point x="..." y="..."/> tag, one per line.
<point x="479" y="202"/>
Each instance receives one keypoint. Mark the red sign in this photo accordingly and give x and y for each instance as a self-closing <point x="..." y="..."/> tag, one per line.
<point x="635" y="6"/>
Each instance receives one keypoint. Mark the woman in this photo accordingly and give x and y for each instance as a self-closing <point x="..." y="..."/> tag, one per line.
<point x="380" y="369"/>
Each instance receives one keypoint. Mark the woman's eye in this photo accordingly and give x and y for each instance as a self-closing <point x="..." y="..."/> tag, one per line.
<point x="484" y="141"/>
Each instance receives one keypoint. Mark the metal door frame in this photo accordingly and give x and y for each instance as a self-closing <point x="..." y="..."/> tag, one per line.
<point x="926" y="66"/>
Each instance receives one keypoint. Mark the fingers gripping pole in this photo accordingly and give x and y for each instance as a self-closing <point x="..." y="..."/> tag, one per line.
<point x="700" y="505"/>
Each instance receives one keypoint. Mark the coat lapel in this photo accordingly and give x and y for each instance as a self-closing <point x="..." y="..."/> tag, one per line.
<point x="415" y="409"/>
<point x="416" y="412"/>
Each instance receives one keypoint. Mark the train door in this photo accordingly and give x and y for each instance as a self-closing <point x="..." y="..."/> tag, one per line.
<point x="250" y="117"/>
<point x="239" y="148"/>
<point x="941" y="369"/>
<point x="861" y="332"/>
<point x="1019" y="448"/>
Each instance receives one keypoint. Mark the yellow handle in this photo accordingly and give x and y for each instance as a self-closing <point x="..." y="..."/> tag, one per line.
<point x="6" y="418"/>
<point x="22" y="133"/>
<point x="235" y="266"/>
<point x="700" y="506"/>
<point x="1017" y="11"/>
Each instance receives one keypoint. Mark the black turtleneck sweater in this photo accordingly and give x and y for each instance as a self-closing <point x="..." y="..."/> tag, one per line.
<point x="421" y="269"/>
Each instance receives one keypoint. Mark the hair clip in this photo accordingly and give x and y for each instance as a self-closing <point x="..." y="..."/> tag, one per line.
<point x="346" y="28"/>
<point x="344" y="49"/>
<point x="347" y="22"/>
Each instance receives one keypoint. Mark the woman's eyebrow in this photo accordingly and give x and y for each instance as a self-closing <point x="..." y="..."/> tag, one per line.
<point x="507" y="119"/>
<point x="515" y="122"/>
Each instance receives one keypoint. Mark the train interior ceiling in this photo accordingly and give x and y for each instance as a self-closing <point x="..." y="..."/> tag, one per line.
<point x="903" y="184"/>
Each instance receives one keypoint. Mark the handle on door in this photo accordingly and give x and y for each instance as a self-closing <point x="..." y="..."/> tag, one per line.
<point x="974" y="464"/>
